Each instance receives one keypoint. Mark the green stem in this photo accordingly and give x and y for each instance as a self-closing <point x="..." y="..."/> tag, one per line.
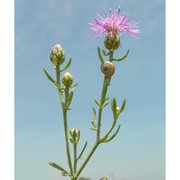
<point x="87" y="159"/>
<point x="103" y="96"/>
<point x="98" y="140"/>
<point x="111" y="56"/>
<point x="63" y="103"/>
<point x="66" y="132"/>
<point x="75" y="157"/>
<point x="58" y="81"/>
<point x="110" y="130"/>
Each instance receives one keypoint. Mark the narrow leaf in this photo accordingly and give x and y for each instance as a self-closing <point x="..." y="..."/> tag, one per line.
<point x="106" y="99"/>
<point x="58" y="86"/>
<point x="67" y="65"/>
<point x="93" y="129"/>
<point x="123" y="105"/>
<point x="105" y="53"/>
<point x="71" y="140"/>
<point x="79" y="157"/>
<point x="104" y="138"/>
<point x="114" y="135"/>
<point x="48" y="75"/>
<point x="106" y="83"/>
<point x="105" y="105"/>
<point x="120" y="59"/>
<point x="58" y="167"/>
<point x="113" y="107"/>
<point x="69" y="99"/>
<point x="97" y="102"/>
<point x="94" y="119"/>
<point x="100" y="55"/>
<point x="73" y="87"/>
<point x="64" y="174"/>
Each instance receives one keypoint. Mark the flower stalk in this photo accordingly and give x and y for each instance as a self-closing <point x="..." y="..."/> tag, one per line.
<point x="63" y="103"/>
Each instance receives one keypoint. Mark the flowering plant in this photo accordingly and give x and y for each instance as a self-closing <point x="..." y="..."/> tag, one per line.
<point x="111" y="26"/>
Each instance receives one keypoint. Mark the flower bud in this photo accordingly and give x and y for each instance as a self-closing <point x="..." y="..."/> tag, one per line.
<point x="118" y="110"/>
<point x="57" y="55"/>
<point x="75" y="135"/>
<point x="112" y="41"/>
<point x="108" y="69"/>
<point x="67" y="79"/>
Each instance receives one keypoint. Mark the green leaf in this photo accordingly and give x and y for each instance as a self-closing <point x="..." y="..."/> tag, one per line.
<point x="104" y="138"/>
<point x="58" y="86"/>
<point x="79" y="157"/>
<point x="94" y="120"/>
<point x="106" y="99"/>
<point x="100" y="55"/>
<point x="58" y="167"/>
<point x="64" y="174"/>
<point x="97" y="102"/>
<point x="69" y="99"/>
<point x="106" y="83"/>
<point x="105" y="53"/>
<point x="73" y="87"/>
<point x="105" y="105"/>
<point x="71" y="140"/>
<point x="123" y="106"/>
<point x="48" y="75"/>
<point x="113" y="107"/>
<point x="120" y="59"/>
<point x="93" y="129"/>
<point x="114" y="135"/>
<point x="68" y="64"/>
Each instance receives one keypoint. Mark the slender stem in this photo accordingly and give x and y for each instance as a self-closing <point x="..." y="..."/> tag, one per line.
<point x="112" y="127"/>
<point x="66" y="132"/>
<point x="67" y="142"/>
<point x="63" y="103"/>
<point x="87" y="159"/>
<point x="111" y="56"/>
<point x="103" y="97"/>
<point x="58" y="81"/>
<point x="75" y="157"/>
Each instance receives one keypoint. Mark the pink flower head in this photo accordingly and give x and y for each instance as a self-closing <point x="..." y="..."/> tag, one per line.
<point x="114" y="22"/>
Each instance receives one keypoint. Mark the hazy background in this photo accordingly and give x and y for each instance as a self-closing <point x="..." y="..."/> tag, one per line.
<point x="138" y="152"/>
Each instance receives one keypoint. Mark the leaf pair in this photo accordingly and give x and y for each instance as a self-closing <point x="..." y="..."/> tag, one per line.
<point x="107" y="53"/>
<point x="113" y="136"/>
<point x="116" y="110"/>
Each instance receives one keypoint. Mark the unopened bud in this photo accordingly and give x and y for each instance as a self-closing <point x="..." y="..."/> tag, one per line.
<point x="75" y="134"/>
<point x="112" y="41"/>
<point x="57" y="55"/>
<point x="118" y="110"/>
<point x="67" y="79"/>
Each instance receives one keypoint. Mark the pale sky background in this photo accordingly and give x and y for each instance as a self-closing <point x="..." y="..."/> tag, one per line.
<point x="138" y="152"/>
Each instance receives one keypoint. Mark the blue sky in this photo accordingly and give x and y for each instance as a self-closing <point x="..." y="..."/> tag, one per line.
<point x="138" y="152"/>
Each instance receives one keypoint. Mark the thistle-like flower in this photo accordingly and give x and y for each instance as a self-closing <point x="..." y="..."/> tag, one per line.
<point x="115" y="23"/>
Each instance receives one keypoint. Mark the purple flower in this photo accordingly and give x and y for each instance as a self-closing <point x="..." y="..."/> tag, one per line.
<point x="116" y="23"/>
